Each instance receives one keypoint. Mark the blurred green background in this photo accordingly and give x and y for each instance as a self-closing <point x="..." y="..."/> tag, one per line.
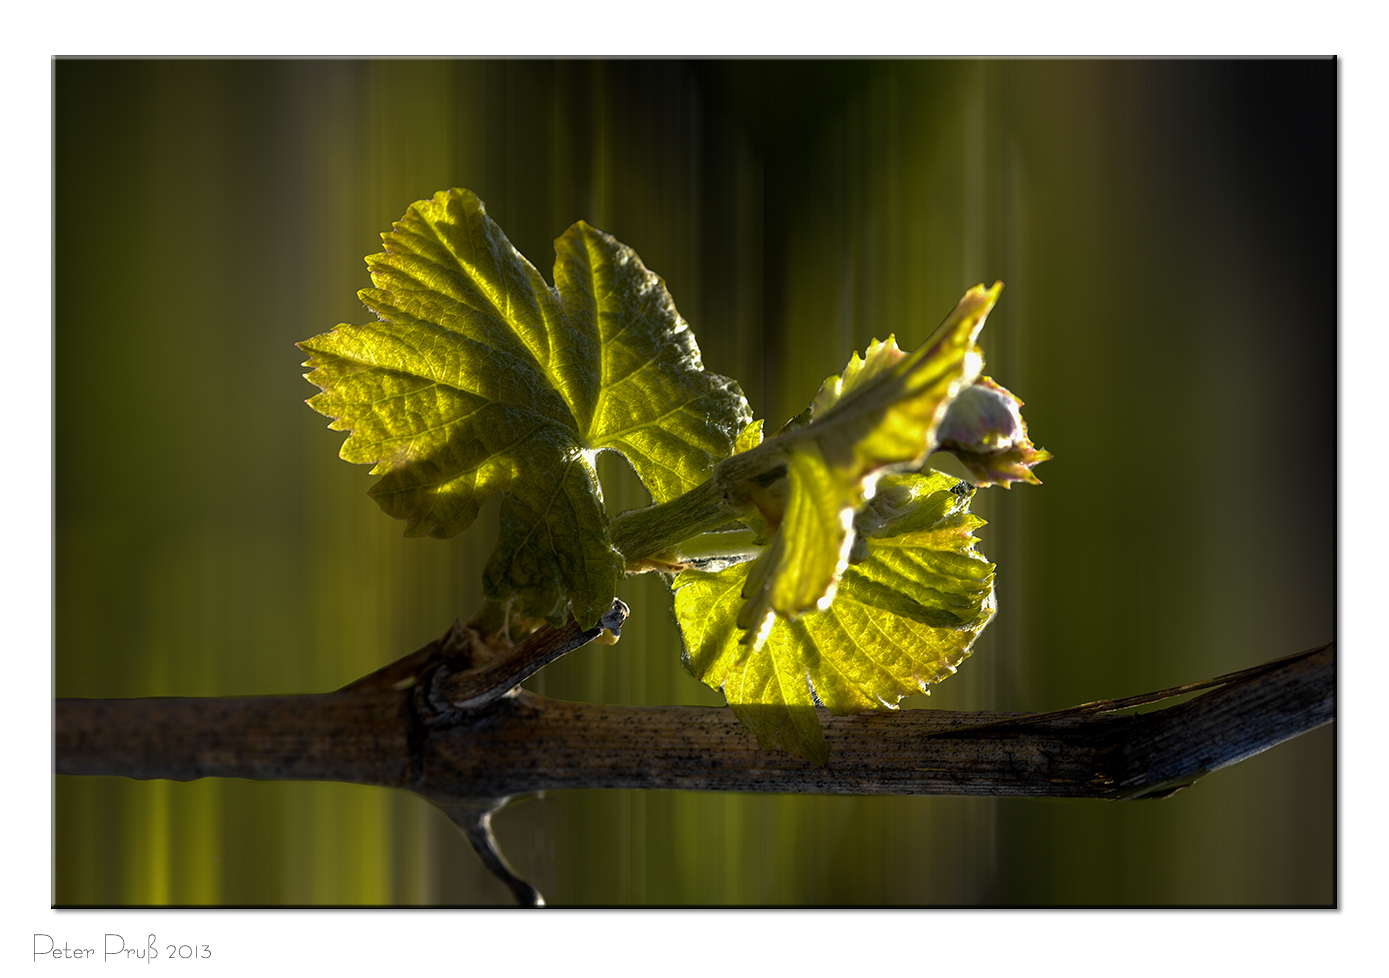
<point x="1167" y="232"/>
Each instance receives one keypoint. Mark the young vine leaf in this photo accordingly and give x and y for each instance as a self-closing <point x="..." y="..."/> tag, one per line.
<point x="907" y="611"/>
<point x="479" y="377"/>
<point x="868" y="587"/>
<point x="881" y="415"/>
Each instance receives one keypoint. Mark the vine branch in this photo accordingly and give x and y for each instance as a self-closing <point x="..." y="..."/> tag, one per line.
<point x="523" y="742"/>
<point x="466" y="738"/>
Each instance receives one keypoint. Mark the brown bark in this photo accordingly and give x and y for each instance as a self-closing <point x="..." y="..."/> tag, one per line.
<point x="528" y="743"/>
<point x="358" y="737"/>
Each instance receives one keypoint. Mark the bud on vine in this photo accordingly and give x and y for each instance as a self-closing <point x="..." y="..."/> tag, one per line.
<point x="984" y="429"/>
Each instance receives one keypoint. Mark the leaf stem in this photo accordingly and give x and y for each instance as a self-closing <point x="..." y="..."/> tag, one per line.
<point x="644" y="533"/>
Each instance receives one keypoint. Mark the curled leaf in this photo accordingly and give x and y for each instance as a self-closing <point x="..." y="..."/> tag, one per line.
<point x="879" y="416"/>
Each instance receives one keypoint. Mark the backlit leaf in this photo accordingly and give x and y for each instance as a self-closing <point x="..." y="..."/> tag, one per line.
<point x="881" y="415"/>
<point x="479" y="377"/>
<point x="904" y="617"/>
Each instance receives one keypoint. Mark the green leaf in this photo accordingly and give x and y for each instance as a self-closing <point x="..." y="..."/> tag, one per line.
<point x="904" y="617"/>
<point x="655" y="403"/>
<point x="881" y="415"/>
<point x="479" y="377"/>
